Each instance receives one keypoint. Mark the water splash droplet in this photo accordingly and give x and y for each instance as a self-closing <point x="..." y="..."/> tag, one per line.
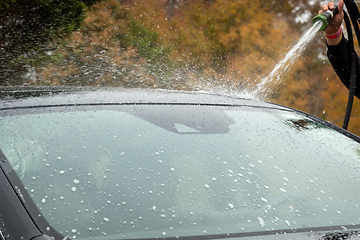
<point x="261" y="221"/>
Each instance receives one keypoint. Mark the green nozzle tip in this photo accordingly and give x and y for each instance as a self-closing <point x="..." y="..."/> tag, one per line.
<point x="323" y="19"/>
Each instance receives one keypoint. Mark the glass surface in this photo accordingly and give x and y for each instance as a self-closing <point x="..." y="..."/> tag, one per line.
<point x="155" y="171"/>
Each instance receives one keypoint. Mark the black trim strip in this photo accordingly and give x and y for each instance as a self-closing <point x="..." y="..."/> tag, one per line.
<point x="22" y="211"/>
<point x="144" y="103"/>
<point x="263" y="233"/>
<point x="15" y="221"/>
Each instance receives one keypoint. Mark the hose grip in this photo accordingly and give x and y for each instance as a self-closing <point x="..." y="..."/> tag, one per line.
<point x="325" y="17"/>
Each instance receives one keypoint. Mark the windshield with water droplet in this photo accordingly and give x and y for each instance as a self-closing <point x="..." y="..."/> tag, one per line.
<point x="132" y="172"/>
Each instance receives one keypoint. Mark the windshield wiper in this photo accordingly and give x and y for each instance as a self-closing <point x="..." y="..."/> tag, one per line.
<point x="340" y="235"/>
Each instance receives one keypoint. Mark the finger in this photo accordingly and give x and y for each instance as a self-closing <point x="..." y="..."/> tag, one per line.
<point x="341" y="6"/>
<point x="324" y="8"/>
<point x="331" y="5"/>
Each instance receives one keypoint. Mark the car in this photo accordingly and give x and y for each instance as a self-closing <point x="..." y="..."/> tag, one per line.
<point x="88" y="163"/>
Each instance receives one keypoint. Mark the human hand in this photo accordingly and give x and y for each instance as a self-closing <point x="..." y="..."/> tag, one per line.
<point x="336" y="21"/>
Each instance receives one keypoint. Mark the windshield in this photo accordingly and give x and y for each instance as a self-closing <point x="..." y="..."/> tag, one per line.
<point x="132" y="172"/>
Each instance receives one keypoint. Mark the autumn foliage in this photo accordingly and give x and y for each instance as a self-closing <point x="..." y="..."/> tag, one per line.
<point x="214" y="45"/>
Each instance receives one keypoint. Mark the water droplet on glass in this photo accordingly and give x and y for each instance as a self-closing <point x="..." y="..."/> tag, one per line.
<point x="261" y="221"/>
<point x="73" y="189"/>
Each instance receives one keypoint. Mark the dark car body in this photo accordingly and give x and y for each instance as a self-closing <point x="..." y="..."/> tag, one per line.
<point x="153" y="164"/>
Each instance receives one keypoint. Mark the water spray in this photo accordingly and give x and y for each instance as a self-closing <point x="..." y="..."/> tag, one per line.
<point x="320" y="23"/>
<point x="325" y="18"/>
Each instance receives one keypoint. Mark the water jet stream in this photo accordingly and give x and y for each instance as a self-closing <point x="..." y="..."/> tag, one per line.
<point x="263" y="89"/>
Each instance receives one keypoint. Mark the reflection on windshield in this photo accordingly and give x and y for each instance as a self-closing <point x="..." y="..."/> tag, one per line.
<point x="203" y="121"/>
<point x="304" y="124"/>
<point x="113" y="175"/>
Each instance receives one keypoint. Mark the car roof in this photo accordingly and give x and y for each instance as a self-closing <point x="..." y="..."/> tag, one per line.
<point x="23" y="97"/>
<point x="15" y="97"/>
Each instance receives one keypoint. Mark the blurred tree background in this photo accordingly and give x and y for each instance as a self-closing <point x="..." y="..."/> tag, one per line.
<point x="28" y="26"/>
<point x="213" y="45"/>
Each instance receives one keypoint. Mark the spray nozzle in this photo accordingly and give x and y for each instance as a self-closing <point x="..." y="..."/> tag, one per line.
<point x="325" y="17"/>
